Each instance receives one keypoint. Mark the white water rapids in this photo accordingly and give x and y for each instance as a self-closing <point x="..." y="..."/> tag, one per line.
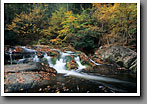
<point x="60" y="66"/>
<point x="10" y="53"/>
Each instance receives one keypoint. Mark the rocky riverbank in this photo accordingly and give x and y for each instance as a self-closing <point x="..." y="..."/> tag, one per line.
<point x="45" y="69"/>
<point x="124" y="58"/>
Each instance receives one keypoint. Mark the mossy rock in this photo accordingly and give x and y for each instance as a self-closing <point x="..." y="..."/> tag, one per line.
<point x="53" y="60"/>
<point x="71" y="63"/>
<point x="43" y="60"/>
<point x="86" y="63"/>
<point x="53" y="53"/>
<point x="68" y="58"/>
<point x="71" y="66"/>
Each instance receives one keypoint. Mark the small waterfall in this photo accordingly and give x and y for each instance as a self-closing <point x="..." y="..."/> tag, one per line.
<point x="28" y="50"/>
<point x="21" y="61"/>
<point x="70" y="52"/>
<point x="94" y="62"/>
<point x="45" y="55"/>
<point x="36" y="59"/>
<point x="80" y="67"/>
<point x="57" y="50"/>
<point x="10" y="53"/>
<point x="48" y="60"/>
<point x="60" y="65"/>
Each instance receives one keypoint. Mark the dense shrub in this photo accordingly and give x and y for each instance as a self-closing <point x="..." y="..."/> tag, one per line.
<point x="86" y="40"/>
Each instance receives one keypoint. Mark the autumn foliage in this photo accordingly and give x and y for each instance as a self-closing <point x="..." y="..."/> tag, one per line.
<point x="93" y="26"/>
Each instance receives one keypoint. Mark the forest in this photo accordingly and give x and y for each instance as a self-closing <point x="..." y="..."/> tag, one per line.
<point x="64" y="44"/>
<point x="83" y="26"/>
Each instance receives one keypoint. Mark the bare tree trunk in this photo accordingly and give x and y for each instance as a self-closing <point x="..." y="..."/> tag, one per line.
<point x="81" y="6"/>
<point x="102" y="26"/>
<point x="67" y="7"/>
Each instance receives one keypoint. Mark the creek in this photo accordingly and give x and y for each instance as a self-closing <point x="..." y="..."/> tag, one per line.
<point x="81" y="80"/>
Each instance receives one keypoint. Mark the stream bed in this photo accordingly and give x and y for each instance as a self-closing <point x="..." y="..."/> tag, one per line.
<point x="61" y="71"/>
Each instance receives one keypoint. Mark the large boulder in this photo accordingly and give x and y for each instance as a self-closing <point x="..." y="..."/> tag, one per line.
<point x="25" y="81"/>
<point x="25" y="77"/>
<point x="119" y="55"/>
<point x="34" y="66"/>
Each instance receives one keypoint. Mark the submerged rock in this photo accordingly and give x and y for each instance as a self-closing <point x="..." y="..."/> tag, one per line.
<point x="124" y="57"/>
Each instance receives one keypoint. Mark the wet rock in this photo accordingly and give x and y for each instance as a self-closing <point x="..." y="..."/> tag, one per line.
<point x="53" y="53"/>
<point x="40" y="54"/>
<point x="124" y="57"/>
<point x="27" y="67"/>
<point x="25" y="81"/>
<point x="25" y="77"/>
<point x="21" y="67"/>
<point x="102" y="70"/>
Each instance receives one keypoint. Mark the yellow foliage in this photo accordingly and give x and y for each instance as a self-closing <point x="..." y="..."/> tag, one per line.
<point x="119" y="17"/>
<point x="27" y="23"/>
<point x="56" y="41"/>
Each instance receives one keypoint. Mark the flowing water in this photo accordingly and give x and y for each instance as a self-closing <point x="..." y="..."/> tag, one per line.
<point x="60" y="67"/>
<point x="10" y="53"/>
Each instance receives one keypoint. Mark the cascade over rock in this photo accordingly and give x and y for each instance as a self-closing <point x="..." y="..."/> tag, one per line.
<point x="35" y="67"/>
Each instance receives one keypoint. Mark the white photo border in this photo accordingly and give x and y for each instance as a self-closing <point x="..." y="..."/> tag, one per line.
<point x="70" y="94"/>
